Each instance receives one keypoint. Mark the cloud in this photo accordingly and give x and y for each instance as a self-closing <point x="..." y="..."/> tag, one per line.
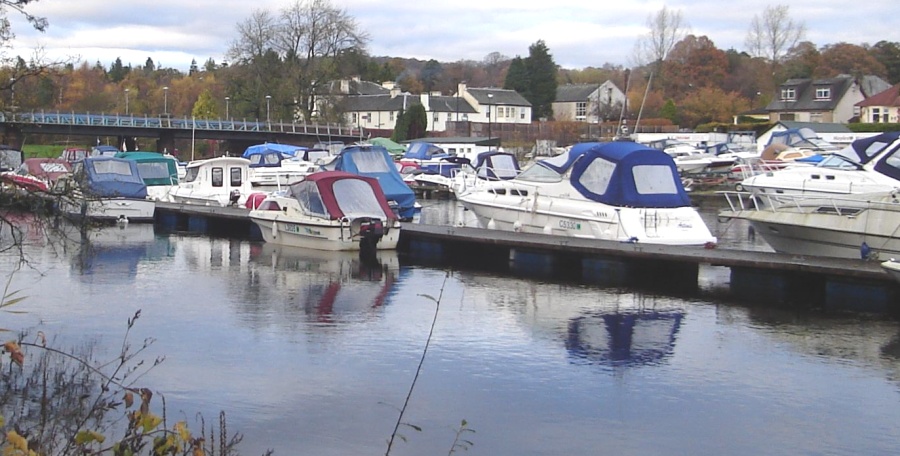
<point x="579" y="33"/>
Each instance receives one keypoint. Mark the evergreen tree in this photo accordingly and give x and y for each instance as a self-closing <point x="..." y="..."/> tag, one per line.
<point x="149" y="66"/>
<point x="117" y="71"/>
<point x="430" y="74"/>
<point x="542" y="80"/>
<point x="418" y="122"/>
<point x="193" y="69"/>
<point x="517" y="77"/>
<point x="669" y="111"/>
<point x="400" y="129"/>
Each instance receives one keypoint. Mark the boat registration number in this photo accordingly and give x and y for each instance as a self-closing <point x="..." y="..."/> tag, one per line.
<point x="569" y="225"/>
<point x="300" y="229"/>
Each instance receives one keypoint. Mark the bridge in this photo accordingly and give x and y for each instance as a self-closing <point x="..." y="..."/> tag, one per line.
<point x="166" y="129"/>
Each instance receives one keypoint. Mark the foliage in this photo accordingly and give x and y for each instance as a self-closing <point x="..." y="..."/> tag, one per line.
<point x="205" y="107"/>
<point x="888" y="54"/>
<point x="542" y="83"/>
<point x="517" y="78"/>
<point x="430" y="75"/>
<point x="669" y="111"/>
<point x="666" y="27"/>
<point x="59" y="403"/>
<point x="873" y="127"/>
<point x="401" y="128"/>
<point x="845" y="58"/>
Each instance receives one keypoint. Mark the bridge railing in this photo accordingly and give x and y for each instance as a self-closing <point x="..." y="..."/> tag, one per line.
<point x="181" y="123"/>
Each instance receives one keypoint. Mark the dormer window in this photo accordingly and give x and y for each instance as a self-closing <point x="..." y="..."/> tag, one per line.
<point x="788" y="94"/>
<point x="823" y="93"/>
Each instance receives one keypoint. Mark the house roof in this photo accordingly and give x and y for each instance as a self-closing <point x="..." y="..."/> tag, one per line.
<point x="504" y="97"/>
<point x="404" y="101"/>
<point x="572" y="93"/>
<point x="805" y="95"/>
<point x="872" y="85"/>
<point x="355" y="87"/>
<point x="889" y="97"/>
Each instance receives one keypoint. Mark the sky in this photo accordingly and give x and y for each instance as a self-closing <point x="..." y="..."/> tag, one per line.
<point x="578" y="33"/>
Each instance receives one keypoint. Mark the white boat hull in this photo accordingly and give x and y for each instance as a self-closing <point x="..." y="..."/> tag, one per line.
<point x="827" y="227"/>
<point x="576" y="218"/>
<point x="892" y="268"/>
<point x="317" y="234"/>
<point x="108" y="209"/>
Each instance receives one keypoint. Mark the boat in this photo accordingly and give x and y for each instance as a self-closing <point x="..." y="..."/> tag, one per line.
<point x="691" y="159"/>
<point x="892" y="267"/>
<point x="104" y="189"/>
<point x="10" y="158"/>
<point x="158" y="171"/>
<point x="329" y="210"/>
<point x="490" y="166"/>
<point x="860" y="226"/>
<point x="36" y="174"/>
<point x="100" y="150"/>
<point x="617" y="191"/>
<point x="273" y="164"/>
<point x="868" y="165"/>
<point x="219" y="181"/>
<point x="375" y="161"/>
<point x="74" y="154"/>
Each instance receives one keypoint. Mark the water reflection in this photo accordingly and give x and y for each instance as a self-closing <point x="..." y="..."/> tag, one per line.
<point x="326" y="287"/>
<point x="113" y="253"/>
<point x="624" y="339"/>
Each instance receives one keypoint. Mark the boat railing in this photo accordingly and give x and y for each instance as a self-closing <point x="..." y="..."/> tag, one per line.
<point x="848" y="205"/>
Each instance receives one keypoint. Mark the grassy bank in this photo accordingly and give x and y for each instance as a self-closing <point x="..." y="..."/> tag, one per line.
<point x="41" y="150"/>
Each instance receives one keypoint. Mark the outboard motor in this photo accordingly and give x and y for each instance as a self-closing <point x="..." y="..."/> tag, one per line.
<point x="234" y="197"/>
<point x="370" y="231"/>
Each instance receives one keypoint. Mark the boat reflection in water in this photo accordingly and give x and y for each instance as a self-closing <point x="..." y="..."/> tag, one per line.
<point x="114" y="253"/>
<point x="624" y="338"/>
<point x="327" y="286"/>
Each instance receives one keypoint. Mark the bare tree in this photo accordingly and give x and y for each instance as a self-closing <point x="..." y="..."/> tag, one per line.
<point x="256" y="35"/>
<point x="773" y="34"/>
<point x="667" y="27"/>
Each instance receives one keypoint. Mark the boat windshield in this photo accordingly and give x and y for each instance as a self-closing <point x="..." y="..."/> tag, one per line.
<point x="153" y="170"/>
<point x="539" y="173"/>
<point x="356" y="197"/>
<point x="112" y="167"/>
<point x="191" y="174"/>
<point x="837" y="162"/>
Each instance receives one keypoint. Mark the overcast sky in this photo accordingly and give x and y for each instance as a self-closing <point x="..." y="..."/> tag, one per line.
<point x="578" y="33"/>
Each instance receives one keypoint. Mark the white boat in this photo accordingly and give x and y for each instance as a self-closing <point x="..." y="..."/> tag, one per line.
<point x="489" y="166"/>
<point x="691" y="159"/>
<point x="863" y="226"/>
<point x="892" y="267"/>
<point x="273" y="165"/>
<point x="329" y="210"/>
<point x="618" y="191"/>
<point x="866" y="166"/>
<point x="104" y="189"/>
<point x="220" y="181"/>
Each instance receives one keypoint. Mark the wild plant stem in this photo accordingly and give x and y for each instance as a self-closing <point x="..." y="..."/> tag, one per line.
<point x="412" y="386"/>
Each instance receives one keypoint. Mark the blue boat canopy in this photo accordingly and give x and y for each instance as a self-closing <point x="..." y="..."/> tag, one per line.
<point x="110" y="177"/>
<point x="622" y="173"/>
<point x="286" y="150"/>
<point x="375" y="161"/>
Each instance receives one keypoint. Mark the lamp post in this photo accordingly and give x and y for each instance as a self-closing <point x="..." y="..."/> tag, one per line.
<point x="12" y="93"/>
<point x="126" y="102"/>
<point x="166" y="100"/>
<point x="490" y="99"/>
<point x="227" y="101"/>
<point x="268" y="99"/>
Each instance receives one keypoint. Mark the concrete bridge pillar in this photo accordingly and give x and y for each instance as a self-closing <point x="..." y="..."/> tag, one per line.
<point x="13" y="137"/>
<point x="166" y="142"/>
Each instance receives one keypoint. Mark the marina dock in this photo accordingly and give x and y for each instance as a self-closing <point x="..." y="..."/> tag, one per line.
<point x="764" y="275"/>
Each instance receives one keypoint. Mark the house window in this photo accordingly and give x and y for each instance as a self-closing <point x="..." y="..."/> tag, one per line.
<point x="823" y="93"/>
<point x="392" y="116"/>
<point x="876" y="115"/>
<point x="788" y="94"/>
<point x="786" y="116"/>
<point x="355" y="118"/>
<point x="580" y="110"/>
<point x="522" y="114"/>
<point x="435" y="116"/>
<point x="368" y="117"/>
<point x="816" y="117"/>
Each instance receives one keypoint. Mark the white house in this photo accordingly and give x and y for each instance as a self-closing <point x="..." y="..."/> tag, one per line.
<point x="589" y="103"/>
<point x="883" y="107"/>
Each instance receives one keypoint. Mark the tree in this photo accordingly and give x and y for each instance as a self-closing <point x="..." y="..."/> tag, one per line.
<point x="117" y="71"/>
<point x="401" y="127"/>
<point x="430" y="74"/>
<point x="845" y="58"/>
<point x="517" y="78"/>
<point x="418" y="122"/>
<point x="888" y="53"/>
<point x="493" y="67"/>
<point x="773" y="34"/>
<point x="667" y="27"/>
<point x="801" y="61"/>
<point x="542" y="83"/>
<point x="694" y="62"/>
<point x="205" y="107"/>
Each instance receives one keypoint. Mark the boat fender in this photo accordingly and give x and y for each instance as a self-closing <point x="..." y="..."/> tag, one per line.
<point x="547" y="229"/>
<point x="492" y="225"/>
<point x="517" y="226"/>
<point x="274" y="229"/>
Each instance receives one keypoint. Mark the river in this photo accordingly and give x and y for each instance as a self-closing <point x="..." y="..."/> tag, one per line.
<point x="314" y="353"/>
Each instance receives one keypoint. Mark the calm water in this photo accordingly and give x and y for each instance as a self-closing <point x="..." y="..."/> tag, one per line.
<point x="313" y="353"/>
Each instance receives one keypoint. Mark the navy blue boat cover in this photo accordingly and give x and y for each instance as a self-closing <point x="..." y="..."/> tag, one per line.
<point x="110" y="177"/>
<point x="622" y="173"/>
<point x="375" y="161"/>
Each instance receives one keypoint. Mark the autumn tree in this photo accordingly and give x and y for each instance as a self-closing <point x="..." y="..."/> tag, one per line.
<point x="801" y="61"/>
<point x="694" y="62"/>
<point x="845" y="58"/>
<point x="773" y="34"/>
<point x="205" y="107"/>
<point x="710" y="104"/>
<point x="494" y="64"/>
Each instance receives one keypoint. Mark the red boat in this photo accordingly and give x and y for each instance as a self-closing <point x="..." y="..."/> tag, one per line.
<point x="37" y="174"/>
